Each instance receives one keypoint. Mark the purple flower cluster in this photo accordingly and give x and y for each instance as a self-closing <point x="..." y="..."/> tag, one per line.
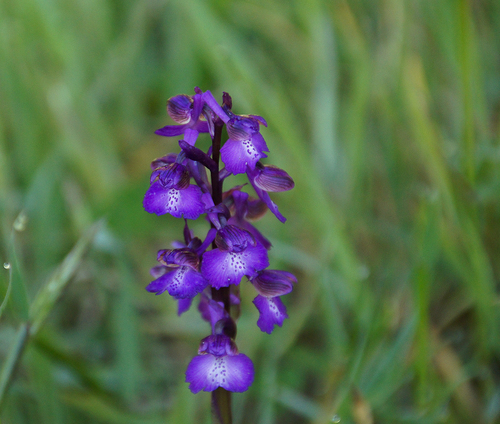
<point x="238" y="249"/>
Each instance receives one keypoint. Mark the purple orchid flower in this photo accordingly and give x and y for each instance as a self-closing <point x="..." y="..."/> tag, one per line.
<point x="238" y="254"/>
<point x="238" y="247"/>
<point x="219" y="364"/>
<point x="188" y="112"/>
<point x="181" y="276"/>
<point x="268" y="178"/>
<point x="170" y="192"/>
<point x="270" y="284"/>
<point x="245" y="145"/>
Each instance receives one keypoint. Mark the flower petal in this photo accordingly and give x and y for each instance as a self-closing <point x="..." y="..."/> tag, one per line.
<point x="208" y="372"/>
<point x="183" y="305"/>
<point x="190" y="136"/>
<point x="179" y="203"/>
<point x="181" y="283"/>
<point x="180" y="108"/>
<point x="209" y="99"/>
<point x="237" y="154"/>
<point x="272" y="311"/>
<point x="171" y="130"/>
<point x="222" y="268"/>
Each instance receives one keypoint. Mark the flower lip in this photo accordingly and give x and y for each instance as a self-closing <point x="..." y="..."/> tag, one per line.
<point x="181" y="282"/>
<point x="219" y="365"/>
<point x="180" y="108"/>
<point x="272" y="312"/>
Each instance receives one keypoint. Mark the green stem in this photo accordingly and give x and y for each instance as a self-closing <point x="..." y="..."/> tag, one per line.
<point x="221" y="398"/>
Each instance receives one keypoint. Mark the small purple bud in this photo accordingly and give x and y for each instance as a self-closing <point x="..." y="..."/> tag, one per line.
<point x="227" y="101"/>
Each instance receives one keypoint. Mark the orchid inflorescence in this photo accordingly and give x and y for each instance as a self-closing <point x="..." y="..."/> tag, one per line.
<point x="237" y="248"/>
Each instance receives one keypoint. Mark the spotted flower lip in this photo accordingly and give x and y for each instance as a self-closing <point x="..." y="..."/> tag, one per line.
<point x="223" y="268"/>
<point x="181" y="282"/>
<point x="272" y="312"/>
<point x="270" y="284"/>
<point x="178" y="203"/>
<point x="219" y="365"/>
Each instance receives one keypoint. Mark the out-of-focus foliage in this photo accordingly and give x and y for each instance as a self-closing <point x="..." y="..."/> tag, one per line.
<point x="386" y="114"/>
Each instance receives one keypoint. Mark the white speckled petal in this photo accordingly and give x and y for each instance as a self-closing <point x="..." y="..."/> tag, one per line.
<point x="272" y="311"/>
<point x="222" y="268"/>
<point x="237" y="154"/>
<point x="179" y="203"/>
<point x="181" y="283"/>
<point x="208" y="372"/>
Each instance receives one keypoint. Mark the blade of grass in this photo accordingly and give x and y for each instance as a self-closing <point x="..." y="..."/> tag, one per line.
<point x="43" y="304"/>
<point x="50" y="292"/>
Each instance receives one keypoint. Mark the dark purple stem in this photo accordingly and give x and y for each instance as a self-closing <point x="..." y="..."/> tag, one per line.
<point x="221" y="398"/>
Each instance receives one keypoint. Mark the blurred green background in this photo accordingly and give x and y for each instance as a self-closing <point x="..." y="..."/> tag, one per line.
<point x="385" y="113"/>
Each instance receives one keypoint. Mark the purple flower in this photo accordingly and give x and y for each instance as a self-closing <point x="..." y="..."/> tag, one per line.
<point x="219" y="365"/>
<point x="238" y="248"/>
<point x="170" y="192"/>
<point x="188" y="111"/>
<point x="245" y="145"/>
<point x="180" y="276"/>
<point x="238" y="254"/>
<point x="268" y="178"/>
<point x="270" y="284"/>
